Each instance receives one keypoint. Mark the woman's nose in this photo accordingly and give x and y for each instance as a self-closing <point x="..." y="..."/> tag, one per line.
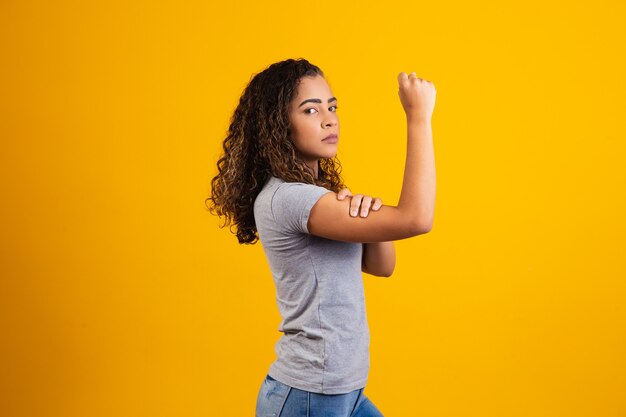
<point x="331" y="121"/>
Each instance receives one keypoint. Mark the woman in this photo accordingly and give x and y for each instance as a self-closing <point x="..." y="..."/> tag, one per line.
<point x="279" y="181"/>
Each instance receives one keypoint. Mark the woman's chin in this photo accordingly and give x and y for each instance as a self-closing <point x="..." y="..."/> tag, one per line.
<point x="330" y="154"/>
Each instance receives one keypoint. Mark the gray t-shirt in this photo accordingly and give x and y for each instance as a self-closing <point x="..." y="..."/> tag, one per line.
<point x="319" y="291"/>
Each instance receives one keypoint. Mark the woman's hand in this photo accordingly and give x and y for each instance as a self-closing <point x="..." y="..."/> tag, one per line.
<point x="360" y="203"/>
<point x="416" y="95"/>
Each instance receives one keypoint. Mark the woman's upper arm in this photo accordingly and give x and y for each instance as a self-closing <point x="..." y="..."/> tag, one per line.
<point x="330" y="218"/>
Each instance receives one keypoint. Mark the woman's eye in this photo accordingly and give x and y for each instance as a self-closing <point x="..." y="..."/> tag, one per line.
<point x="312" y="108"/>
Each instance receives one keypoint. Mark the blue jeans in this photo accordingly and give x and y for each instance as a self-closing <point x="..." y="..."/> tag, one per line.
<point x="276" y="399"/>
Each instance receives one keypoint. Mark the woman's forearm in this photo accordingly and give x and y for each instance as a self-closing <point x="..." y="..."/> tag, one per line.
<point x="417" y="198"/>
<point x="379" y="258"/>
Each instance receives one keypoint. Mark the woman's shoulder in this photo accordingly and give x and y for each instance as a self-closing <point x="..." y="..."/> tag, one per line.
<point x="277" y="188"/>
<point x="269" y="188"/>
<point x="274" y="182"/>
<point x="271" y="183"/>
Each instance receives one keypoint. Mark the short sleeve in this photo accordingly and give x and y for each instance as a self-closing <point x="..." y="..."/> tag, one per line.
<point x="292" y="203"/>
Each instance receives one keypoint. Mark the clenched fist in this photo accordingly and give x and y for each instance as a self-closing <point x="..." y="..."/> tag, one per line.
<point x="416" y="95"/>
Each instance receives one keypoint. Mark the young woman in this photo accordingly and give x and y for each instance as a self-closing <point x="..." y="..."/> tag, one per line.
<point x="279" y="182"/>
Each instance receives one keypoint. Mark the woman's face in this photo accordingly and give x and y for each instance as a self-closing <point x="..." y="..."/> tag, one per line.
<point x="313" y="117"/>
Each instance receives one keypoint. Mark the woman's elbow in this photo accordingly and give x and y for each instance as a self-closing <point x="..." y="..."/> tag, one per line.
<point x="386" y="274"/>
<point x="417" y="227"/>
<point x="427" y="228"/>
<point x="388" y="269"/>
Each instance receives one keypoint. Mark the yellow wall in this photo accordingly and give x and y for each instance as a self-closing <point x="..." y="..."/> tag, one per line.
<point x="121" y="296"/>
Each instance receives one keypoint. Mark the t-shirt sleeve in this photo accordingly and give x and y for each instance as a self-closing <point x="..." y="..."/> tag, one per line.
<point x="292" y="203"/>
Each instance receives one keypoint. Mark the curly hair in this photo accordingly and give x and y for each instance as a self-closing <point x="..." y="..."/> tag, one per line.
<point x="258" y="144"/>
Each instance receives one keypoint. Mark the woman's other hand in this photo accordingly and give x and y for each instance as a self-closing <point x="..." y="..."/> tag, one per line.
<point x="360" y="204"/>
<point x="417" y="96"/>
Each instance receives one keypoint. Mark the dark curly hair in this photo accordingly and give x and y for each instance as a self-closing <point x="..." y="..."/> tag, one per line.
<point x="258" y="144"/>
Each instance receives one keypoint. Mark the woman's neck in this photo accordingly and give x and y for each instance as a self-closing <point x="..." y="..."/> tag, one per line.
<point x="313" y="165"/>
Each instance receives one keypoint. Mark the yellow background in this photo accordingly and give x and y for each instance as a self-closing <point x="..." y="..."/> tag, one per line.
<point x="121" y="296"/>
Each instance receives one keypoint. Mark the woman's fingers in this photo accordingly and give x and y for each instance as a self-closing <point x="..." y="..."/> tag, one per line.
<point x="343" y="193"/>
<point x="366" y="203"/>
<point x="361" y="204"/>
<point x="355" y="204"/>
<point x="417" y="95"/>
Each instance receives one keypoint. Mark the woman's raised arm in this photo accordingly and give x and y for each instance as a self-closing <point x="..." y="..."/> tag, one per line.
<point x="414" y="213"/>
